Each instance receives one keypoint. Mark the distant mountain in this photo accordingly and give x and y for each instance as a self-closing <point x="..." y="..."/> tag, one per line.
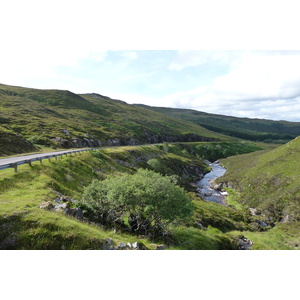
<point x="245" y="128"/>
<point x="57" y="118"/>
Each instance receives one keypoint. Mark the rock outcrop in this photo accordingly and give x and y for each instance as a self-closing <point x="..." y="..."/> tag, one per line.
<point x="148" y="138"/>
<point x="63" y="204"/>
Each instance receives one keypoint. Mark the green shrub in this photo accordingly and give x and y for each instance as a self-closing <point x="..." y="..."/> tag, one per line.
<point x="148" y="200"/>
<point x="155" y="164"/>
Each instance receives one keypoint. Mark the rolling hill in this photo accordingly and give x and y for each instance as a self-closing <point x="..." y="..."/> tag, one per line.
<point x="268" y="180"/>
<point x="245" y="128"/>
<point x="62" y="119"/>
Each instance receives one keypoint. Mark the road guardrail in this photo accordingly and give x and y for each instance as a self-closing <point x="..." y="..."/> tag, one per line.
<point x="17" y="161"/>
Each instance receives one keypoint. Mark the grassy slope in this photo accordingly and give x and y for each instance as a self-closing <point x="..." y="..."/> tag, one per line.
<point x="41" y="115"/>
<point x="269" y="181"/>
<point x="245" y="128"/>
<point x="25" y="226"/>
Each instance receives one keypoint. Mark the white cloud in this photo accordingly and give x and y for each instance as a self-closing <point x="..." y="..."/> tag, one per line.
<point x="261" y="84"/>
<point x="194" y="58"/>
<point x="98" y="56"/>
<point x="129" y="54"/>
<point x="43" y="42"/>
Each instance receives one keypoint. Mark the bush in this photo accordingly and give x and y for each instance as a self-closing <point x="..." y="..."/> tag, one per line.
<point x="147" y="199"/>
<point x="155" y="164"/>
<point x="38" y="140"/>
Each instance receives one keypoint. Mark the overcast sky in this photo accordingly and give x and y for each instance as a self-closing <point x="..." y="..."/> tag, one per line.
<point x="63" y="45"/>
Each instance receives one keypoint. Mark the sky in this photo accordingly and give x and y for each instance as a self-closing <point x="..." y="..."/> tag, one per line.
<point x="223" y="63"/>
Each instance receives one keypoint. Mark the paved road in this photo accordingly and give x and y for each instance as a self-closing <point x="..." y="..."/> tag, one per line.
<point x="13" y="162"/>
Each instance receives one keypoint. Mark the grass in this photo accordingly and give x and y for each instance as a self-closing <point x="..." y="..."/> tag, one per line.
<point x="61" y="119"/>
<point x="25" y="226"/>
<point x="282" y="237"/>
<point x="190" y="238"/>
<point x="244" y="128"/>
<point x="268" y="180"/>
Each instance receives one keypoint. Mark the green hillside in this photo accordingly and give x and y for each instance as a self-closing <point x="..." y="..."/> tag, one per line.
<point x="245" y="128"/>
<point x="56" y="118"/>
<point x="267" y="182"/>
<point x="28" y="219"/>
<point x="263" y="186"/>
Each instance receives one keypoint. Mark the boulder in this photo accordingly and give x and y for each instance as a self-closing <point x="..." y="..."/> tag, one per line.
<point x="108" y="244"/>
<point x="135" y="245"/>
<point x="109" y="241"/>
<point x="217" y="187"/>
<point x="254" y="212"/>
<point x="70" y="211"/>
<point x="122" y="246"/>
<point x="78" y="213"/>
<point x="64" y="199"/>
<point x="46" y="205"/>
<point x="59" y="207"/>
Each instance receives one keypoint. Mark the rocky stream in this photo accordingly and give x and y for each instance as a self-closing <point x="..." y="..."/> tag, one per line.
<point x="210" y="191"/>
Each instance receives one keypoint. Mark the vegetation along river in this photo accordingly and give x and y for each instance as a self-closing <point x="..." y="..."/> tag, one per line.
<point x="206" y="188"/>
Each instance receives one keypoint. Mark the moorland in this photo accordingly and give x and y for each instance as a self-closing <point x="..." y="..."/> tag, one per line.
<point x="140" y="187"/>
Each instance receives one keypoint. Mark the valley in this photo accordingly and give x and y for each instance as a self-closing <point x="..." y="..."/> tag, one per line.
<point x="51" y="205"/>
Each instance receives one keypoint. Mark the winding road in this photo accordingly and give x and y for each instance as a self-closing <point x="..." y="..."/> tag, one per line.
<point x="14" y="162"/>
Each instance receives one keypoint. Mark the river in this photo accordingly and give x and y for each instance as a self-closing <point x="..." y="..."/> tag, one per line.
<point x="205" y="190"/>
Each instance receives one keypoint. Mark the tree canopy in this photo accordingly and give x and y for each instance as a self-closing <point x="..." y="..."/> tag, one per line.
<point x="148" y="199"/>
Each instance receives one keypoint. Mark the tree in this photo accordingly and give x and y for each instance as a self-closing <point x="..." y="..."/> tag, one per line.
<point x="149" y="200"/>
<point x="155" y="164"/>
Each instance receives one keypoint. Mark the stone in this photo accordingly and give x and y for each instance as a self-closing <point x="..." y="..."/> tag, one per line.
<point x="199" y="224"/>
<point x="217" y="187"/>
<point x="129" y="245"/>
<point x="70" y="211"/>
<point x="57" y="200"/>
<point x="63" y="205"/>
<point x="64" y="199"/>
<point x="122" y="246"/>
<point x="135" y="245"/>
<point x="66" y="131"/>
<point x="109" y="241"/>
<point x="60" y="207"/>
<point x="252" y="211"/>
<point x="261" y="223"/>
<point x="47" y="205"/>
<point x="79" y="213"/>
